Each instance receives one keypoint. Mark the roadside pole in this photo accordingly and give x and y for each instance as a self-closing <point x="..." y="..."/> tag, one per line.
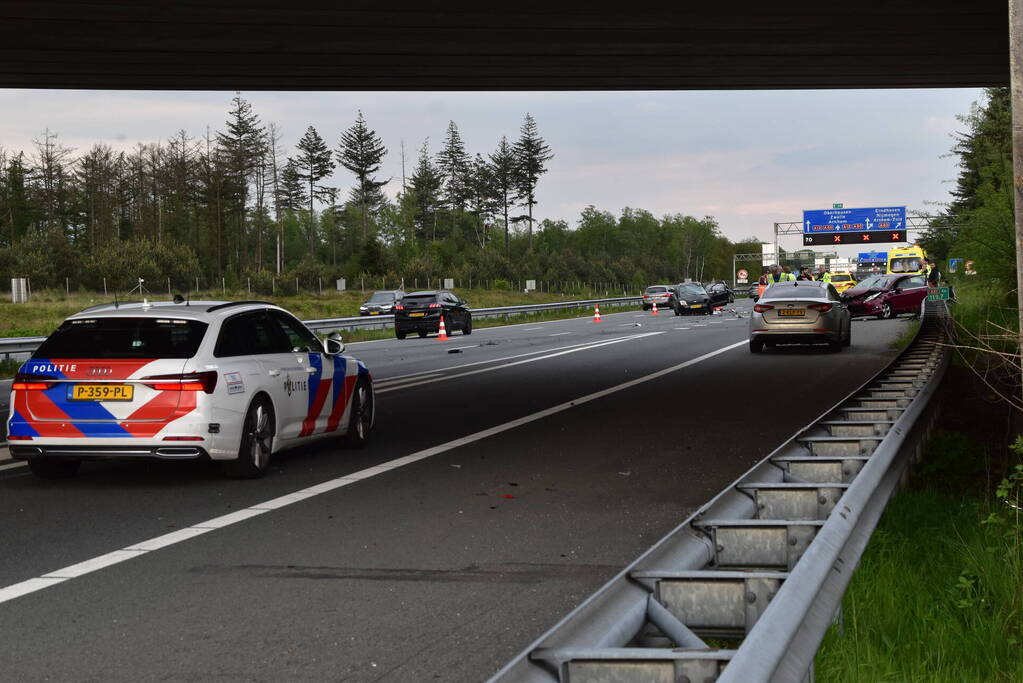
<point x="1016" y="80"/>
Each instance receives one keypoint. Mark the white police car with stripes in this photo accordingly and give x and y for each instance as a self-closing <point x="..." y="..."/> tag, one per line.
<point x="228" y="381"/>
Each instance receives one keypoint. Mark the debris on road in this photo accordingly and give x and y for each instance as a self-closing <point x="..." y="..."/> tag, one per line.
<point x="507" y="495"/>
<point x="454" y="350"/>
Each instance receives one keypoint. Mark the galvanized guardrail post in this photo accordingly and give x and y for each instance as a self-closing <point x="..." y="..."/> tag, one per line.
<point x="766" y="562"/>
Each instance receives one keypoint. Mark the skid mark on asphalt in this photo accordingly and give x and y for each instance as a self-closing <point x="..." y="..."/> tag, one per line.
<point x="513" y="572"/>
<point x="74" y="571"/>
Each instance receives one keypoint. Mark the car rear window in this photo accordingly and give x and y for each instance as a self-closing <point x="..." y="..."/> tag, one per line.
<point x="420" y="299"/>
<point x="124" y="338"/>
<point x="381" y="298"/>
<point x="795" y="290"/>
<point x="655" y="290"/>
<point x="841" y="278"/>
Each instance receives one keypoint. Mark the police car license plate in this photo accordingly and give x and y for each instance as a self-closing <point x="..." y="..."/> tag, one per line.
<point x="416" y="315"/>
<point x="101" y="392"/>
<point x="794" y="312"/>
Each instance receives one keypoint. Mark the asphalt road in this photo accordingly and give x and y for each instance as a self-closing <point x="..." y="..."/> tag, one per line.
<point x="566" y="449"/>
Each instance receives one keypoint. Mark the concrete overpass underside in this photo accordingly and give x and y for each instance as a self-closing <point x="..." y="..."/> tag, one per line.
<point x="400" y="45"/>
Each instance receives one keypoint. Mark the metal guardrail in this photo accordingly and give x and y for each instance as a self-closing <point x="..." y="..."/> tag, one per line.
<point x="767" y="561"/>
<point x="384" y="321"/>
<point x="16" y="345"/>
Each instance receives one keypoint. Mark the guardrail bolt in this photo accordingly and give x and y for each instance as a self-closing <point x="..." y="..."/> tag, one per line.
<point x="751" y="597"/>
<point x="720" y="548"/>
<point x="793" y="541"/>
<point x="822" y="500"/>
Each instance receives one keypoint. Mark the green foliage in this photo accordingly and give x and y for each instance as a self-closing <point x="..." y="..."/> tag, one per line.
<point x="937" y="595"/>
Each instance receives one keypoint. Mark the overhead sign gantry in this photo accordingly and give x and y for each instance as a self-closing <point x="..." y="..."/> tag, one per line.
<point x="878" y="224"/>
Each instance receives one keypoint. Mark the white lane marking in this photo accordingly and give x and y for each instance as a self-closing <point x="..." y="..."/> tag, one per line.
<point x="393" y="380"/>
<point x="53" y="578"/>
<point x="498" y="328"/>
<point x="518" y="362"/>
<point x="457" y="348"/>
<point x="530" y="329"/>
<point x="642" y="315"/>
<point x="558" y="334"/>
<point x="12" y="466"/>
<point x="682" y="328"/>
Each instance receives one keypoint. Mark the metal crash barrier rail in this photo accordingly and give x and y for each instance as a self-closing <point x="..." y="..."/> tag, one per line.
<point x="761" y="569"/>
<point x="20" y="345"/>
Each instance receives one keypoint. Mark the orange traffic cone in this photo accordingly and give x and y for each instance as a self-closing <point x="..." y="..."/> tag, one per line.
<point x="654" y="312"/>
<point x="443" y="332"/>
<point x="596" y="314"/>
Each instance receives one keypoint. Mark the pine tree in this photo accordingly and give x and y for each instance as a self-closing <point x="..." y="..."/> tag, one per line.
<point x="503" y="173"/>
<point x="453" y="168"/>
<point x="531" y="156"/>
<point x="241" y="147"/>
<point x="425" y="186"/>
<point x="312" y="164"/>
<point x="483" y="198"/>
<point x="290" y="189"/>
<point x="361" y="152"/>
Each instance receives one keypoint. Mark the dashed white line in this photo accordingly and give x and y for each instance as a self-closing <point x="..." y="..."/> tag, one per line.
<point x="558" y="334"/>
<point x="73" y="571"/>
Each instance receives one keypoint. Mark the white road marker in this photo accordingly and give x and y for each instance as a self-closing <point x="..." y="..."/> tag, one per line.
<point x="558" y="334"/>
<point x="530" y="329"/>
<point x="53" y="578"/>
<point x="12" y="465"/>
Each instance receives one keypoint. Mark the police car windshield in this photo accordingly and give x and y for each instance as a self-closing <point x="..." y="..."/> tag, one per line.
<point x="124" y="338"/>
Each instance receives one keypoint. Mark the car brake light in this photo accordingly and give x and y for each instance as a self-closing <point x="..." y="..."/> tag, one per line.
<point x="192" y="381"/>
<point x="823" y="308"/>
<point x="760" y="308"/>
<point x="24" y="381"/>
<point x="399" y="307"/>
<point x="434" y="305"/>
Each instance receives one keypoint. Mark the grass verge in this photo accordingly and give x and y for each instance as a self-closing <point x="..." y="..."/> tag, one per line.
<point x="938" y="595"/>
<point x="46" y="310"/>
<point x="907" y="336"/>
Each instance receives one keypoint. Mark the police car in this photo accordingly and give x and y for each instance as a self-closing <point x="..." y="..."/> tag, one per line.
<point x="228" y="381"/>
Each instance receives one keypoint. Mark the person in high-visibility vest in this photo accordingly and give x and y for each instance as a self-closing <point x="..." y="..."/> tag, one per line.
<point x="775" y="275"/>
<point x="822" y="275"/>
<point x="786" y="274"/>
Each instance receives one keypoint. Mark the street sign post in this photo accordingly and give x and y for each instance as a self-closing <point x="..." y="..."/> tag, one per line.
<point x="873" y="225"/>
<point x="937" y="293"/>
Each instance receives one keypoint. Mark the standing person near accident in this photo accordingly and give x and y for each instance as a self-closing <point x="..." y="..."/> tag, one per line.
<point x="933" y="274"/>
<point x="786" y="274"/>
<point x="822" y="275"/>
<point x="804" y="274"/>
<point x="775" y="275"/>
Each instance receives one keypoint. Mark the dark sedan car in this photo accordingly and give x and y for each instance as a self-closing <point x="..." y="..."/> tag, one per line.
<point x="381" y="303"/>
<point x="886" y="296"/>
<point x="421" y="312"/>
<point x="692" y="297"/>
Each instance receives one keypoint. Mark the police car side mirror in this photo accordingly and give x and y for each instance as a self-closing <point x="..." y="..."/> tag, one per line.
<point x="333" y="344"/>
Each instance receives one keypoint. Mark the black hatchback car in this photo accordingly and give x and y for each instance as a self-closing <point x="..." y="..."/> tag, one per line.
<point x="422" y="312"/>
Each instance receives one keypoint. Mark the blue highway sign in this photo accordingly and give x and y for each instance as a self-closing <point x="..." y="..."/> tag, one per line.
<point x="878" y="218"/>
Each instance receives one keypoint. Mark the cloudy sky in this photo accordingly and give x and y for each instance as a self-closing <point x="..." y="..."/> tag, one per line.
<point x="747" y="158"/>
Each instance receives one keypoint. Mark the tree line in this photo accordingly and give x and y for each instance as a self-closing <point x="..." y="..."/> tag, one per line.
<point x="237" y="205"/>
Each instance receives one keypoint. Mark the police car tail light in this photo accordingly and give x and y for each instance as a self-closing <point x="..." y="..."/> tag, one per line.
<point x="760" y="308"/>
<point x="24" y="381"/>
<point x="191" y="381"/>
<point x="823" y="308"/>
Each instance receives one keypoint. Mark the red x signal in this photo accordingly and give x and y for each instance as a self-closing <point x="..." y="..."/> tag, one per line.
<point x="838" y="239"/>
<point x="866" y="237"/>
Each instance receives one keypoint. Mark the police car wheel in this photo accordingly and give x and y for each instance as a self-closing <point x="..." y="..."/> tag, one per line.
<point x="54" y="469"/>
<point x="256" y="444"/>
<point x="360" y="423"/>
